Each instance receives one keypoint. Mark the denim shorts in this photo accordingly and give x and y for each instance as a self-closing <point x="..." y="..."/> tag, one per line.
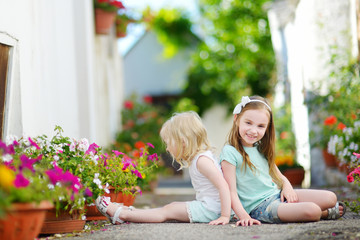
<point x="267" y="210"/>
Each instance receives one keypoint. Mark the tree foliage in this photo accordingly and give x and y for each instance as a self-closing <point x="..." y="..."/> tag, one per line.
<point x="236" y="56"/>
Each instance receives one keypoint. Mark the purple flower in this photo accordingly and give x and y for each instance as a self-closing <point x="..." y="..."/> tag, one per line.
<point x="150" y="145"/>
<point x="88" y="192"/>
<point x="21" y="181"/>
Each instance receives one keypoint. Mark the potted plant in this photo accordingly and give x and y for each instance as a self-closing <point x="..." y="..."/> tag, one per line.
<point x="354" y="177"/>
<point x="338" y="108"/>
<point x="285" y="146"/>
<point x="123" y="175"/>
<point x="344" y="144"/>
<point x="141" y="123"/>
<point x="105" y="13"/>
<point x="28" y="189"/>
<point x="122" y="21"/>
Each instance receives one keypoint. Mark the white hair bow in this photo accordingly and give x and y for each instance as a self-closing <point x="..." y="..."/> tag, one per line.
<point x="245" y="100"/>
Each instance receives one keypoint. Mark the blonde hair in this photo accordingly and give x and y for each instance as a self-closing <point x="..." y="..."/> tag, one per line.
<point x="266" y="145"/>
<point x="186" y="132"/>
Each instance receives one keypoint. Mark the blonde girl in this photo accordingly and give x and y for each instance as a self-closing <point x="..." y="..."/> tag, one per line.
<point x="258" y="189"/>
<point x="186" y="140"/>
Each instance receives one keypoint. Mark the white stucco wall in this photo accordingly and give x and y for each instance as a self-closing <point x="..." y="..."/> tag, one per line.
<point x="61" y="72"/>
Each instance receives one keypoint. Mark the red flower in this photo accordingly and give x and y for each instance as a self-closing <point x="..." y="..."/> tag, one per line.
<point x="330" y="120"/>
<point x="139" y="145"/>
<point x="129" y="105"/>
<point x="284" y="135"/>
<point x="341" y="126"/>
<point x="148" y="99"/>
<point x="353" y="116"/>
<point x="117" y="4"/>
<point x="136" y="153"/>
<point x="350" y="178"/>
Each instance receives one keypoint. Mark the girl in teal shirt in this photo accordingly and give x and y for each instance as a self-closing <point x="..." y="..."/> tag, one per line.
<point x="259" y="191"/>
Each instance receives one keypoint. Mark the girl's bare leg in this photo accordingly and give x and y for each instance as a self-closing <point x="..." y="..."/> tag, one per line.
<point x="299" y="212"/>
<point x="312" y="206"/>
<point x="173" y="211"/>
<point x="323" y="198"/>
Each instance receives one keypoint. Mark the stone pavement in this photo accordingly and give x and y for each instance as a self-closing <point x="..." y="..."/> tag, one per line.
<point x="347" y="227"/>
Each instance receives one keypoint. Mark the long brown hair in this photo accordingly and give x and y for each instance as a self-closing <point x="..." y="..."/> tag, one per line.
<point x="266" y="145"/>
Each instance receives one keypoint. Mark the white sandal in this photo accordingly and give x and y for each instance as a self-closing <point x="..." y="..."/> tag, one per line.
<point x="333" y="213"/>
<point x="102" y="204"/>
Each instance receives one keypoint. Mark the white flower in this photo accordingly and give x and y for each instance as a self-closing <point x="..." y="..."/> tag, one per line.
<point x="10" y="139"/>
<point x="56" y="158"/>
<point x="73" y="146"/>
<point x="106" y="188"/>
<point x="7" y="158"/>
<point x="83" y="145"/>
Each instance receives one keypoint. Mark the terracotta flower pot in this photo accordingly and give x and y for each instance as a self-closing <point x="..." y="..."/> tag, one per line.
<point x="92" y="213"/>
<point x="329" y="159"/>
<point x="62" y="222"/>
<point x="294" y="175"/>
<point x="23" y="221"/>
<point x="104" y="21"/>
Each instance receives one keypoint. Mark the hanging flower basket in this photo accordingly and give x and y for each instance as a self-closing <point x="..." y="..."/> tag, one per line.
<point x="104" y="21"/>
<point x="23" y="221"/>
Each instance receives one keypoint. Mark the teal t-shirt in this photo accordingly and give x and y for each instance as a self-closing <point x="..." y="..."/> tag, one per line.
<point x="253" y="187"/>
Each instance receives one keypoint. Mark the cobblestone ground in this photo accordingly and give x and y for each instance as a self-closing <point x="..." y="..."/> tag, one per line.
<point x="347" y="227"/>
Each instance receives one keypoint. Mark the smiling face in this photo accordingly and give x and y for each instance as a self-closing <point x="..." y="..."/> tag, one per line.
<point x="252" y="126"/>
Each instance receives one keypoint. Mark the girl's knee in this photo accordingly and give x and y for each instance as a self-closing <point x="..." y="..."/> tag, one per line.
<point x="332" y="198"/>
<point x="312" y="212"/>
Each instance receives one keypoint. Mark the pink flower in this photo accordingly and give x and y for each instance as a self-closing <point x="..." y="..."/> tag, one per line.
<point x="32" y="143"/>
<point x="356" y="154"/>
<point x="137" y="173"/>
<point x="153" y="156"/>
<point x="150" y="145"/>
<point x="92" y="148"/>
<point x="21" y="181"/>
<point x="27" y="162"/>
<point x="117" y="153"/>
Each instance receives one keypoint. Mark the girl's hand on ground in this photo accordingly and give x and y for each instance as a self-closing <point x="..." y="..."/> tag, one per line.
<point x="248" y="222"/>
<point x="220" y="221"/>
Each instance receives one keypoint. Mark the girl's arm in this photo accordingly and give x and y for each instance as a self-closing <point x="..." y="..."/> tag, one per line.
<point x="229" y="171"/>
<point x="207" y="167"/>
<point x="287" y="191"/>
